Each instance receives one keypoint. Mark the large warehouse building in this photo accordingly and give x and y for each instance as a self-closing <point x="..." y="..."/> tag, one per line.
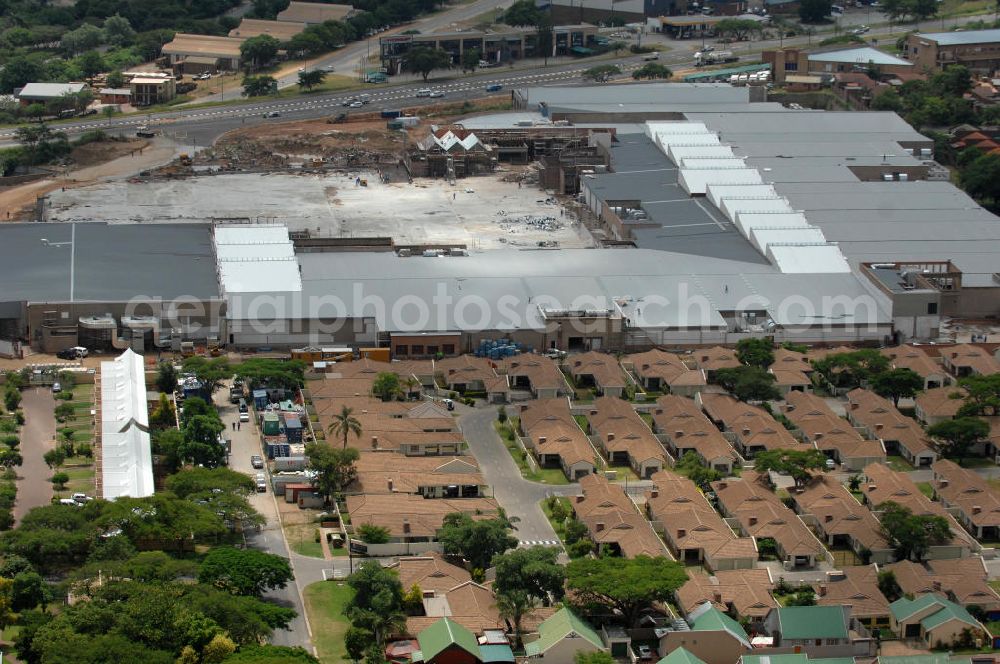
<point x="729" y="219"/>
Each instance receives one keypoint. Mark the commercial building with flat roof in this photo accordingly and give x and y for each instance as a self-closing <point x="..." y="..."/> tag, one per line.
<point x="254" y="27"/>
<point x="796" y="61"/>
<point x="45" y="92"/>
<point x="312" y="13"/>
<point x="225" y="51"/>
<point x="979" y="50"/>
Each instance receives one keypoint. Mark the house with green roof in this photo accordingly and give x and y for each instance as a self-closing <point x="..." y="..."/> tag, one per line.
<point x="561" y="636"/>
<point x="711" y="636"/>
<point x="681" y="656"/>
<point x="447" y="642"/>
<point x="819" y="631"/>
<point x="936" y="621"/>
<point x="793" y="658"/>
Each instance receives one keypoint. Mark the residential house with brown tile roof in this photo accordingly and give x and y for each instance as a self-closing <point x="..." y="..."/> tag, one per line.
<point x="967" y="360"/>
<point x="692" y="529"/>
<point x="830" y="433"/>
<point x="430" y="476"/>
<point x="598" y="370"/>
<point x="658" y="370"/>
<point x="430" y="572"/>
<point x="464" y="373"/>
<point x="712" y="359"/>
<point x="791" y="371"/>
<point x="613" y="520"/>
<point x="856" y="587"/>
<point x="761" y="514"/>
<point x="623" y="437"/>
<point x="537" y="373"/>
<point x="422" y="436"/>
<point x="682" y="427"/>
<point x="497" y="389"/>
<point x="791" y="360"/>
<point x="939" y="404"/>
<point x="412" y="521"/>
<point x="753" y="429"/>
<point x="915" y="359"/>
<point x="898" y="433"/>
<point x="964" y="581"/>
<point x="841" y="521"/>
<point x="549" y="430"/>
<point x="743" y="593"/>
<point x="469" y="604"/>
<point x="978" y="503"/>
<point x="881" y="484"/>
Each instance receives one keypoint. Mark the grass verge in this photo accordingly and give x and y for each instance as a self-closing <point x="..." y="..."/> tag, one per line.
<point x="325" y="605"/>
<point x="520" y="456"/>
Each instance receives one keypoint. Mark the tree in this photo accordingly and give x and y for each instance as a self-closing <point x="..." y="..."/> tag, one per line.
<point x="513" y="605"/>
<point x="201" y="440"/>
<point x="118" y="31"/>
<point x="956" y="436"/>
<point x="217" y="650"/>
<point x="356" y="641"/>
<point x="210" y="372"/>
<point x="737" y="29"/>
<point x="652" y="70"/>
<point x="912" y="534"/>
<point x="814" y="11"/>
<point x="29" y="590"/>
<point x="691" y="466"/>
<point x="244" y="571"/>
<point x="889" y="586"/>
<point x="259" y="50"/>
<point x="166" y="374"/>
<point x="849" y="370"/>
<point x="601" y="73"/>
<point x="625" y="585"/>
<point x="12" y="399"/>
<point x="423" y="60"/>
<point x="59" y="480"/>
<point x="534" y="570"/>
<point x="981" y="177"/>
<point x="594" y="657"/>
<point x="40" y="144"/>
<point x="953" y="81"/>
<point x="197" y="483"/>
<point x="311" y="78"/>
<point x="796" y="463"/>
<point x="54" y="458"/>
<point x="17" y="72"/>
<point x="377" y="605"/>
<point x="748" y="383"/>
<point x="386" y="385"/>
<point x="372" y="534"/>
<point x="755" y="352"/>
<point x="470" y="59"/>
<point x="163" y="415"/>
<point x="896" y="384"/>
<point x="84" y="38"/>
<point x="982" y="395"/>
<point x="476" y="541"/>
<point x="334" y="468"/>
<point x="259" y="86"/>
<point x="345" y="423"/>
<point x="522" y="13"/>
<point x="270" y="373"/>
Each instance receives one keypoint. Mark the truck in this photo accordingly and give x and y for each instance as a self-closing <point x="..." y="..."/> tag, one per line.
<point x="142" y="131"/>
<point x="391" y="115"/>
<point x="702" y="58"/>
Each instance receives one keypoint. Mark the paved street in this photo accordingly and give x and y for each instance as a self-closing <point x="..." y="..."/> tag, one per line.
<point x="37" y="438"/>
<point x="271" y="539"/>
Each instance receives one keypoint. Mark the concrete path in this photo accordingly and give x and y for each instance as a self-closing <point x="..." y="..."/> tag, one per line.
<point x="37" y="437"/>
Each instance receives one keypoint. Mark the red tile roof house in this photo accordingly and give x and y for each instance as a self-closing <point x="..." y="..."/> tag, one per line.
<point x="623" y="437"/>
<point x="613" y="520"/>
<point x="939" y="404"/>
<point x="898" y="433"/>
<point x="712" y="359"/>
<point x="599" y="370"/>
<point x="658" y="370"/>
<point x="791" y="371"/>
<point x="761" y="514"/>
<point x="830" y="433"/>
<point x="682" y="427"/>
<point x="550" y="432"/>
<point x="856" y="587"/>
<point x="915" y="359"/>
<point x="692" y="529"/>
<point x="964" y="581"/>
<point x="538" y="374"/>
<point x="465" y="373"/>
<point x="977" y="503"/>
<point x="751" y="428"/>
<point x="968" y="360"/>
<point x="881" y="484"/>
<point x="745" y="593"/>
<point x="841" y="521"/>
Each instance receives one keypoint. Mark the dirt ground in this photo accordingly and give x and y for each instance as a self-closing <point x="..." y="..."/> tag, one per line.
<point x="100" y="152"/>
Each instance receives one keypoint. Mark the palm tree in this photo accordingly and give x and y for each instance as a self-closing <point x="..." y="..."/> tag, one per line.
<point x="513" y="605"/>
<point x="345" y="423"/>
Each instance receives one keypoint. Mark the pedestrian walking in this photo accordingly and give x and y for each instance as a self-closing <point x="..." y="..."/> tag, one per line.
<point x="238" y="425"/>
<point x="234" y="426"/>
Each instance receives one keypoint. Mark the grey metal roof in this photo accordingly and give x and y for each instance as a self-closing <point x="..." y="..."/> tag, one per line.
<point x="111" y="263"/>
<point x="49" y="90"/>
<point x="638" y="93"/>
<point x="963" y="37"/>
<point x="861" y="55"/>
<point x="798" y="126"/>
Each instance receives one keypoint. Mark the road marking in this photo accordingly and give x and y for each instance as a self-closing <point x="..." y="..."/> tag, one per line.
<point x="527" y="543"/>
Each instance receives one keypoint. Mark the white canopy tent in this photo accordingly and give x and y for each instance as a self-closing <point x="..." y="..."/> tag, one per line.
<point x="126" y="457"/>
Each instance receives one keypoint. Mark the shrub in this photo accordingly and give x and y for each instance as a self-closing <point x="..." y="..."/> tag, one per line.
<point x="59" y="480"/>
<point x="84" y="450"/>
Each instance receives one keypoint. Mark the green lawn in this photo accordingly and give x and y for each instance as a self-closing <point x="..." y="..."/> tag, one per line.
<point x="308" y="547"/>
<point x="542" y="475"/>
<point x="975" y="462"/>
<point x="926" y="489"/>
<point x="332" y="83"/>
<point x="557" y="525"/>
<point x="647" y="418"/>
<point x="81" y="477"/>
<point x="899" y="464"/>
<point x="325" y="605"/>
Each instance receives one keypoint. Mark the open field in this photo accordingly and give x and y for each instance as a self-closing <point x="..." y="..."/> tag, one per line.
<point x="325" y="602"/>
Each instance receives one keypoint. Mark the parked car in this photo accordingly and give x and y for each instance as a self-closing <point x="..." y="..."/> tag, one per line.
<point x="448" y="403"/>
<point x="56" y="388"/>
<point x="554" y="353"/>
<point x="831" y="464"/>
<point x="257" y="461"/>
<point x="244" y="417"/>
<point x="69" y="354"/>
<point x="81" y="498"/>
<point x="645" y="653"/>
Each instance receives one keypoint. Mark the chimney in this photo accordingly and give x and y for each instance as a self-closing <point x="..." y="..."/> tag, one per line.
<point x="828" y="518"/>
<point x="406" y="526"/>
<point x="818" y="437"/>
<point x="942" y="482"/>
<point x="542" y="440"/>
<point x="854" y="406"/>
<point x="645" y="366"/>
<point x="753" y="521"/>
<point x="593" y="412"/>
<point x="524" y="407"/>
<point x="873" y="487"/>
<point x="390" y="485"/>
<point x="717" y="597"/>
<point x="879" y="427"/>
<point x="722" y="485"/>
<point x="681" y="533"/>
<point x="937" y="586"/>
<point x="704" y="358"/>
<point x="746" y="431"/>
<point x="580" y="499"/>
<point x="655" y="493"/>
<point x="658" y="411"/>
<point x="374" y="442"/>
<point x="822" y="590"/>
<point x="599" y="526"/>
<point x="451" y="371"/>
<point x="678" y="434"/>
<point x="976" y="509"/>
<point x="611" y="437"/>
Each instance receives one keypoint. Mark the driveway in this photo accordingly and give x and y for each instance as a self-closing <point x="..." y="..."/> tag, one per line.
<point x="519" y="497"/>
<point x="37" y="437"/>
<point x="271" y="538"/>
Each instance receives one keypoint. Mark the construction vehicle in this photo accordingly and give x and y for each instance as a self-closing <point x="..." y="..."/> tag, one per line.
<point x="702" y="58"/>
<point x="185" y="159"/>
<point x="142" y="131"/>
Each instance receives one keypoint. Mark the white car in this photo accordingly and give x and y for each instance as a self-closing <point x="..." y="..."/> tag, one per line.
<point x="425" y="92"/>
<point x="436" y="93"/>
<point x="356" y="104"/>
<point x="244" y="417"/>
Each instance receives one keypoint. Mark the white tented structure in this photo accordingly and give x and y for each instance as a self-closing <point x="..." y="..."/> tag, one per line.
<point x="126" y="457"/>
<point x="677" y="153"/>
